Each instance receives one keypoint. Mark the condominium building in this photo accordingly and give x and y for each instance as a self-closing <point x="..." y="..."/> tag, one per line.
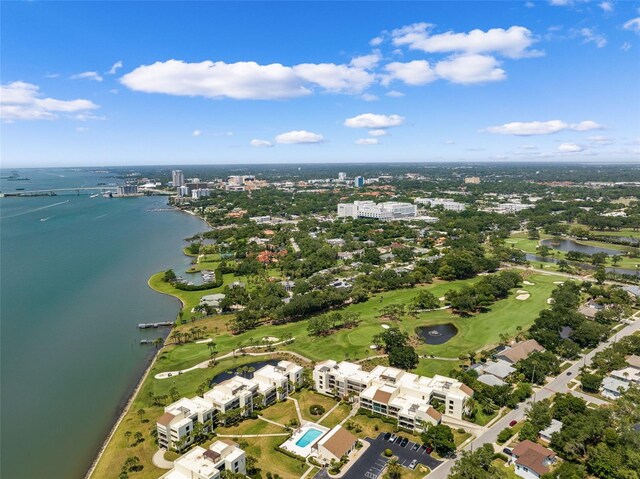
<point x="270" y="383"/>
<point x="201" y="463"/>
<point x="342" y="176"/>
<point x="387" y="211"/>
<point x="175" y="426"/>
<point x="127" y="190"/>
<point x="447" y="204"/>
<point x="358" y="181"/>
<point x="200" y="193"/>
<point x="183" y="191"/>
<point x="177" y="178"/>
<point x="393" y="392"/>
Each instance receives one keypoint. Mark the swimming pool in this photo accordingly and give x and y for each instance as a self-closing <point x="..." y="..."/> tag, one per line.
<point x="308" y="437"/>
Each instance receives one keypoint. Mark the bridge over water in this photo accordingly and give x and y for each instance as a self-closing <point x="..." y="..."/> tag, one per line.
<point x="60" y="191"/>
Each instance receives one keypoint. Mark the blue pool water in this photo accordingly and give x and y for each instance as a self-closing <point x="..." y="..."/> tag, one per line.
<point x="308" y="437"/>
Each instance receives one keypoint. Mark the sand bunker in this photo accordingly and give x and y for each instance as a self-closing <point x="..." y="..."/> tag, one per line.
<point x="203" y="341"/>
<point x="528" y="283"/>
<point x="441" y="298"/>
<point x="271" y="339"/>
<point x="522" y="297"/>
<point x="551" y="301"/>
<point x="558" y="282"/>
<point x="385" y="326"/>
<point x="522" y="291"/>
<point x="373" y="346"/>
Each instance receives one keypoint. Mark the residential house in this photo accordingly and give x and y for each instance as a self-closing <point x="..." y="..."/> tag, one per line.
<point x="545" y="434"/>
<point x="531" y="460"/>
<point x="613" y="388"/>
<point x="520" y="351"/>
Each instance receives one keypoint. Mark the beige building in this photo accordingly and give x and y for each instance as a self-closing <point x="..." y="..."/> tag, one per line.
<point x="201" y="463"/>
<point x="393" y="392"/>
<point x="472" y="180"/>
<point x="335" y="444"/>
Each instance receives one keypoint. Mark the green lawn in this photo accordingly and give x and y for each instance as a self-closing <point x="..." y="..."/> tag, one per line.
<point x="270" y="460"/>
<point x="460" y="437"/>
<point x="338" y="414"/>
<point x="307" y="398"/>
<point x="280" y="412"/>
<point x="251" y="426"/>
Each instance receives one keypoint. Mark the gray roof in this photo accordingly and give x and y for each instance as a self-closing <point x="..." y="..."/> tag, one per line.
<point x="499" y="368"/>
<point x="490" y="380"/>
<point x="555" y="426"/>
<point x="613" y="384"/>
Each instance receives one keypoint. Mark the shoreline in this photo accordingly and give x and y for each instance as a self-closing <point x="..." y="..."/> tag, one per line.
<point x="143" y="378"/>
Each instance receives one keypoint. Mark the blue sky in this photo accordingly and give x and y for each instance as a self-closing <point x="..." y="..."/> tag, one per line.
<point x="121" y="83"/>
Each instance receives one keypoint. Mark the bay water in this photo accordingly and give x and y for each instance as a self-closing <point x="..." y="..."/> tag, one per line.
<point x="73" y="288"/>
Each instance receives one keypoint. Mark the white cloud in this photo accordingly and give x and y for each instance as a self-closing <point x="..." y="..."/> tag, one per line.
<point x="606" y="6"/>
<point x="374" y="42"/>
<point x="417" y="72"/>
<point x="529" y="4"/>
<point x="626" y="46"/>
<point x="114" y="68"/>
<point x="369" y="97"/>
<point x="513" y="42"/>
<point x="81" y="129"/>
<point x="366" y="62"/>
<point x="22" y="101"/>
<point x="374" y="121"/>
<point x="260" y="143"/>
<point x="560" y="3"/>
<point x="600" y="140"/>
<point x="86" y="76"/>
<point x="196" y="133"/>
<point x="449" y="142"/>
<point x="541" y="127"/>
<point x="570" y="148"/>
<point x="52" y="75"/>
<point x="590" y="35"/>
<point x="246" y="80"/>
<point x="395" y="94"/>
<point x="367" y="141"/>
<point x="633" y="25"/>
<point x="470" y="69"/>
<point x="378" y="132"/>
<point x="299" y="136"/>
<point x="528" y="147"/>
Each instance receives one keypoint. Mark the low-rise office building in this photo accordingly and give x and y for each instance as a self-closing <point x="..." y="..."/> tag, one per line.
<point x="447" y="204"/>
<point x="387" y="211"/>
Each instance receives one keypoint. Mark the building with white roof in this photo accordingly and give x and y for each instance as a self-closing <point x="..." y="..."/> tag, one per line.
<point x="629" y="374"/>
<point x="175" y="426"/>
<point x="613" y="388"/>
<point x="387" y="211"/>
<point x="394" y="392"/>
<point x="447" y="204"/>
<point x="201" y="463"/>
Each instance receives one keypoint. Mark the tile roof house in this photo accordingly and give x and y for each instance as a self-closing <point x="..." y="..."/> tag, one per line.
<point x="335" y="444"/>
<point x="532" y="460"/>
<point x="520" y="351"/>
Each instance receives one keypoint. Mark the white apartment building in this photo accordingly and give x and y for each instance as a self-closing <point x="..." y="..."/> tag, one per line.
<point x="177" y="178"/>
<point x="201" y="463"/>
<point x="509" y="208"/>
<point x="387" y="211"/>
<point x="393" y="392"/>
<point x="200" y="193"/>
<point x="447" y="204"/>
<point x="183" y="191"/>
<point x="270" y="382"/>
<point x="176" y="425"/>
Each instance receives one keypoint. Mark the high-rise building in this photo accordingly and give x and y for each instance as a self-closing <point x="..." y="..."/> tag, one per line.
<point x="358" y="182"/>
<point x="342" y="176"/>
<point x="183" y="191"/>
<point x="177" y="178"/>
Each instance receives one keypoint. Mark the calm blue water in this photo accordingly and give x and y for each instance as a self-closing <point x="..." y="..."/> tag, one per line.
<point x="308" y="437"/>
<point x="73" y="287"/>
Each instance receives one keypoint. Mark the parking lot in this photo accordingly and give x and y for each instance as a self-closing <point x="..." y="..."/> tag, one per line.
<point x="372" y="462"/>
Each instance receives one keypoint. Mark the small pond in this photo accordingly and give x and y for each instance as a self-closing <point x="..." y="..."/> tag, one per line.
<point x="231" y="372"/>
<point x="438" y="334"/>
<point x="570" y="245"/>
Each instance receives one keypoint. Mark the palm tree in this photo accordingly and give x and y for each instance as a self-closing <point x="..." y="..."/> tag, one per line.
<point x="127" y="435"/>
<point x="393" y="469"/>
<point x="138" y="437"/>
<point x="141" y="414"/>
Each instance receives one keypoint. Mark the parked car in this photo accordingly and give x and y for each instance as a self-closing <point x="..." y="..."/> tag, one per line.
<point x="513" y="423"/>
<point x="415" y="447"/>
<point x="387" y="436"/>
<point x="507" y="451"/>
<point x="429" y="450"/>
<point x="398" y="439"/>
<point x="568" y="373"/>
<point x="392" y="438"/>
<point x="404" y="442"/>
<point x="413" y="464"/>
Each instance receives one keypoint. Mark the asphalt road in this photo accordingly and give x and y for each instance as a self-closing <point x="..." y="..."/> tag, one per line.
<point x="557" y="385"/>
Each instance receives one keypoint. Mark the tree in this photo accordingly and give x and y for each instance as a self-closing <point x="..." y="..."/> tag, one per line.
<point x="591" y="382"/>
<point x="127" y="435"/>
<point x="600" y="275"/>
<point x="440" y="438"/>
<point x="394" y="471"/>
<point x="403" y="357"/>
<point x="391" y="338"/>
<point x="169" y="276"/>
<point x="138" y="437"/>
<point x="475" y="465"/>
<point x="426" y="300"/>
<point x="566" y="470"/>
<point x="141" y="414"/>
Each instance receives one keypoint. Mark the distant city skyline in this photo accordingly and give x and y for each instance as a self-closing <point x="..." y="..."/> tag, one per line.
<point x="165" y="83"/>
